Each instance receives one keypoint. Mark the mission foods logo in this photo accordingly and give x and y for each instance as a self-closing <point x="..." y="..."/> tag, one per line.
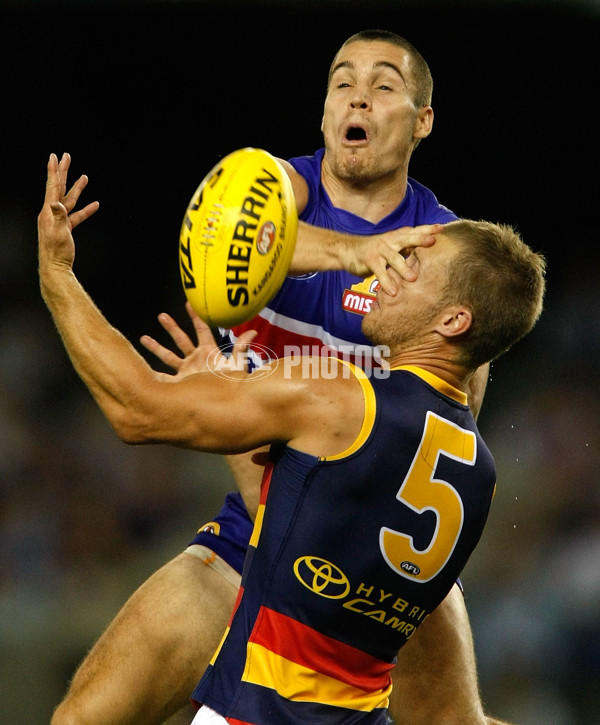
<point x="360" y="297"/>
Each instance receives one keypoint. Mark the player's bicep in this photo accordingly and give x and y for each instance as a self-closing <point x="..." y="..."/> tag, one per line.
<point x="230" y="414"/>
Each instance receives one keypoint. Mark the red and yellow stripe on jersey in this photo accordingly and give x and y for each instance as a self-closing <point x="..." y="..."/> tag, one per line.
<point x="305" y="665"/>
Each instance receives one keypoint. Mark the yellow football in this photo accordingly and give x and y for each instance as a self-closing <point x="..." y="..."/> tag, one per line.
<point x="238" y="237"/>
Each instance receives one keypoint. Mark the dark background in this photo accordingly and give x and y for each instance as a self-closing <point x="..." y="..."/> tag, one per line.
<point x="146" y="97"/>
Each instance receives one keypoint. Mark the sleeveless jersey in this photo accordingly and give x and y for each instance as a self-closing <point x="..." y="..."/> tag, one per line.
<point x="325" y="309"/>
<point x="349" y="556"/>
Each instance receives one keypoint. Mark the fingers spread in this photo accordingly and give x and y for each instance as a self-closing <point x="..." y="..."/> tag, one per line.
<point x="52" y="181"/>
<point x="80" y="216"/>
<point x="72" y="196"/>
<point x="179" y="337"/>
<point x="168" y="357"/>
<point x="56" y="192"/>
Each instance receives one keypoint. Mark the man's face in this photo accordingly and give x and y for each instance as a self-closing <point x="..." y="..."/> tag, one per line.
<point x="409" y="317"/>
<point x="370" y="118"/>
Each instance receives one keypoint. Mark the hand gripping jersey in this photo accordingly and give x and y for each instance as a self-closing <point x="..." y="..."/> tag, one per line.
<point x="349" y="555"/>
<point x="326" y="308"/>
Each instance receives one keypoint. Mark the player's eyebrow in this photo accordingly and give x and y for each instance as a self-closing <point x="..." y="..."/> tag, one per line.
<point x="378" y="64"/>
<point x="342" y="64"/>
<point x="392" y="66"/>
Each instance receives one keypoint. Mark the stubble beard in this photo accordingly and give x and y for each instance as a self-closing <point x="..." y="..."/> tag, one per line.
<point x="356" y="170"/>
<point x="397" y="337"/>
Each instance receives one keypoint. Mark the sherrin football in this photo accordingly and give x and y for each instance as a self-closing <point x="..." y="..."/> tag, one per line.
<point x="237" y="237"/>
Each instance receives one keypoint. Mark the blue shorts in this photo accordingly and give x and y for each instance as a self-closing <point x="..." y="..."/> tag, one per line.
<point x="228" y="535"/>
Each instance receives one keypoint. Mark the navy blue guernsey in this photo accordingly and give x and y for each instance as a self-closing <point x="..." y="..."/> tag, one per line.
<point x="349" y="555"/>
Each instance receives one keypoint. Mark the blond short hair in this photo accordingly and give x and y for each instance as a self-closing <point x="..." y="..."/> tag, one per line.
<point x="502" y="282"/>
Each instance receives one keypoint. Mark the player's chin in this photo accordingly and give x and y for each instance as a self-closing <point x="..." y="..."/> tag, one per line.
<point x="369" y="323"/>
<point x="358" y="170"/>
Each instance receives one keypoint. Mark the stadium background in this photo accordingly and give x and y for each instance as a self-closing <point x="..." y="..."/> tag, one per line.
<point x="146" y="96"/>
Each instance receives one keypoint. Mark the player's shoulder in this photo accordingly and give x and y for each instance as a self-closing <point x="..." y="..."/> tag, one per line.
<point x="427" y="202"/>
<point x="299" y="184"/>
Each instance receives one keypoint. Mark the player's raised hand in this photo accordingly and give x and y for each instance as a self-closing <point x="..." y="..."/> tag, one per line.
<point x="58" y="216"/>
<point x="197" y="357"/>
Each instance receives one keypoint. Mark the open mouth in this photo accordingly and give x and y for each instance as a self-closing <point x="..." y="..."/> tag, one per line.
<point x="356" y="133"/>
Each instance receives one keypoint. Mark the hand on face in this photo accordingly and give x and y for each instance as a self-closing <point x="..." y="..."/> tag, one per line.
<point x="377" y="254"/>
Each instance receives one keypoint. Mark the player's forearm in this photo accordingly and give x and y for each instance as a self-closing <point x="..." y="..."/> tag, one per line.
<point x="115" y="374"/>
<point x="324" y="249"/>
<point x="320" y="250"/>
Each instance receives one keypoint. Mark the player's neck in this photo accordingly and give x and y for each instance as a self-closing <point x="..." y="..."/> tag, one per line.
<point x="452" y="373"/>
<point x="372" y="201"/>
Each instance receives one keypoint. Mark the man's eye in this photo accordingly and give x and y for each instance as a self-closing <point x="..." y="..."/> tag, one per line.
<point x="343" y="84"/>
<point x="383" y="87"/>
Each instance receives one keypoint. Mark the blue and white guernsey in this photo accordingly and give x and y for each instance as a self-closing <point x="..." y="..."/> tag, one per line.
<point x="325" y="309"/>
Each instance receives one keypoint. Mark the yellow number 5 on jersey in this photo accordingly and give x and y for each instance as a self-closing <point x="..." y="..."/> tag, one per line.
<point x="421" y="491"/>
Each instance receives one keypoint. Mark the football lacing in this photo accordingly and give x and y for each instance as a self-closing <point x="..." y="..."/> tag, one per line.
<point x="212" y="222"/>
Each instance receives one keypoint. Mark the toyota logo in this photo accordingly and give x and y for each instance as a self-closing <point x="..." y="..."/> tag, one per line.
<point x="321" y="577"/>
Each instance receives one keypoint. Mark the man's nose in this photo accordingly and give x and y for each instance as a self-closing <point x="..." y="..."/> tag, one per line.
<point x="361" y="99"/>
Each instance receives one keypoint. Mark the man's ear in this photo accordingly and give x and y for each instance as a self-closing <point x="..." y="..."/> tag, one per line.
<point x="424" y="122"/>
<point x="454" y="320"/>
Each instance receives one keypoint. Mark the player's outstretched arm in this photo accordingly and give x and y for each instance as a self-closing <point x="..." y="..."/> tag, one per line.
<point x="320" y="249"/>
<point x="132" y="396"/>
<point x="200" y="411"/>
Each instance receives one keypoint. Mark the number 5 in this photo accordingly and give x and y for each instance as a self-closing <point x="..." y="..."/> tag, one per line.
<point x="421" y="492"/>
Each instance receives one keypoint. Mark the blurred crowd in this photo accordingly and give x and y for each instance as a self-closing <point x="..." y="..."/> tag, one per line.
<point x="533" y="586"/>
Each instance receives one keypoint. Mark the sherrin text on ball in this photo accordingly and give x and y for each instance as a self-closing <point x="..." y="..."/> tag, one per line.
<point x="237" y="238"/>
